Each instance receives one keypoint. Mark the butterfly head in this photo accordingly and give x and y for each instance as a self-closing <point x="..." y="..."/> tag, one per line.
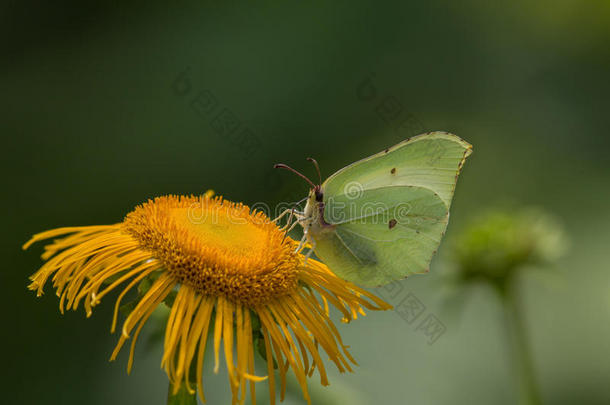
<point x="315" y="197"/>
<point x="313" y="213"/>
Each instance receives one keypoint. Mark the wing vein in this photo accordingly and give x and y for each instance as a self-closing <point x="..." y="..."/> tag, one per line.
<point x="347" y="247"/>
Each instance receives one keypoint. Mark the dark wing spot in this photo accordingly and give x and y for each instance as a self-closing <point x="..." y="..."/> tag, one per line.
<point x="387" y="150"/>
<point x="393" y="171"/>
<point x="392" y="223"/>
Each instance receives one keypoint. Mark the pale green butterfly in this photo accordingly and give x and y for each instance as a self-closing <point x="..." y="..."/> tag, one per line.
<point x="382" y="218"/>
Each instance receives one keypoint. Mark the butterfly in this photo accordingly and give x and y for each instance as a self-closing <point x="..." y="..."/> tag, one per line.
<point x="382" y="218"/>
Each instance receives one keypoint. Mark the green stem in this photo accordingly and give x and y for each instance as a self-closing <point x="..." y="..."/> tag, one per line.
<point x="182" y="397"/>
<point x="517" y="334"/>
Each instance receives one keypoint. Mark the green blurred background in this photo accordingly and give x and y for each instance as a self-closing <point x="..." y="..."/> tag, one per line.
<point x="94" y="122"/>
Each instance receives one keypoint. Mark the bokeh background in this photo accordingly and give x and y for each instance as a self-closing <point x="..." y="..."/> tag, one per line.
<point x="103" y="106"/>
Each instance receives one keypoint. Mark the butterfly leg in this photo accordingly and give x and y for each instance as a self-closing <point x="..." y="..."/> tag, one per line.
<point x="312" y="241"/>
<point x="301" y="243"/>
<point x="293" y="211"/>
<point x="288" y="222"/>
<point x="300" y="216"/>
<point x="295" y="223"/>
<point x="290" y="225"/>
<point x="282" y="215"/>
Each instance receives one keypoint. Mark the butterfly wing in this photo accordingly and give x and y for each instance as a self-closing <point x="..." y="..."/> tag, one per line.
<point x="390" y="210"/>
<point x="431" y="160"/>
<point x="397" y="231"/>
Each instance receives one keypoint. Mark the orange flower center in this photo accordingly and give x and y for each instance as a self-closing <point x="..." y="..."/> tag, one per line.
<point x="217" y="247"/>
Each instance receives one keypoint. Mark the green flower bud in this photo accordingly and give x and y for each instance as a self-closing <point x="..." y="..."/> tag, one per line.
<point x="499" y="243"/>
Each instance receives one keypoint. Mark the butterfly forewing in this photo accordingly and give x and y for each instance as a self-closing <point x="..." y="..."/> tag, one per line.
<point x="431" y="160"/>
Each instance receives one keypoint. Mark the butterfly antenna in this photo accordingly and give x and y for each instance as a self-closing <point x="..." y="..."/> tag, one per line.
<point x="283" y="166"/>
<point x="315" y="163"/>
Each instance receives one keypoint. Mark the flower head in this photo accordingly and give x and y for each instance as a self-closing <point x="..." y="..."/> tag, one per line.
<point x="233" y="273"/>
<point x="499" y="243"/>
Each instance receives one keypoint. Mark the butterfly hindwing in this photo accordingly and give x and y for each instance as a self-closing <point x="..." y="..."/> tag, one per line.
<point x="387" y="242"/>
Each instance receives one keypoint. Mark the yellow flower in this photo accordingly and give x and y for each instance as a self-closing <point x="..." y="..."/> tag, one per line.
<point x="226" y="266"/>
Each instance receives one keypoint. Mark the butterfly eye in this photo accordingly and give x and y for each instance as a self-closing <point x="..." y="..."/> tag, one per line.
<point x="319" y="195"/>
